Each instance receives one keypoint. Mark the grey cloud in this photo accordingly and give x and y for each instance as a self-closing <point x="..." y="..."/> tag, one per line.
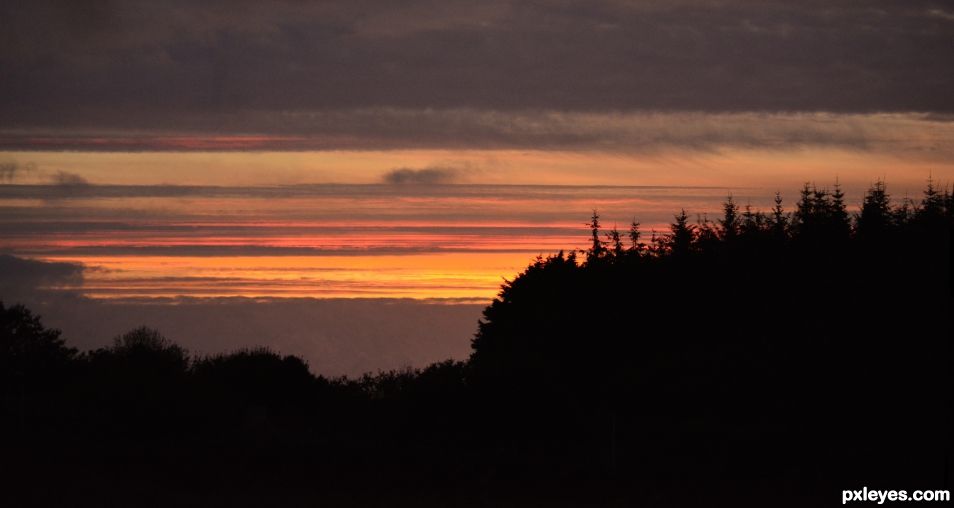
<point x="335" y="336"/>
<point x="67" y="179"/>
<point x="257" y="250"/>
<point x="540" y="214"/>
<point x="423" y="176"/>
<point x="318" y="191"/>
<point x="186" y="66"/>
<point x="910" y="134"/>
<point x="11" y="170"/>
<point x="23" y="279"/>
<point x="945" y="15"/>
<point x="8" y="171"/>
<point x="68" y="224"/>
<point x="63" y="185"/>
<point x="24" y="175"/>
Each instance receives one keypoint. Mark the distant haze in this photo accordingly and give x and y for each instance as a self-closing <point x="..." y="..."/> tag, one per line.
<point x="335" y="337"/>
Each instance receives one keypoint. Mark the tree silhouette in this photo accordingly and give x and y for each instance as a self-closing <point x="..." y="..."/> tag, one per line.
<point x="138" y="385"/>
<point x="27" y="348"/>
<point x="681" y="237"/>
<point x="931" y="209"/>
<point x="35" y="364"/>
<point x="773" y="338"/>
<point x="616" y="242"/>
<point x="875" y="217"/>
<point x="635" y="246"/>
<point x="729" y="223"/>
<point x="597" y="248"/>
<point x="705" y="368"/>
<point x="841" y="222"/>
<point x="780" y="220"/>
<point x="707" y="236"/>
<point x="753" y="223"/>
<point x="147" y="348"/>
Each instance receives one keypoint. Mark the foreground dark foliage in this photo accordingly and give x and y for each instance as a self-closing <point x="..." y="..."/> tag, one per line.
<point x="763" y="359"/>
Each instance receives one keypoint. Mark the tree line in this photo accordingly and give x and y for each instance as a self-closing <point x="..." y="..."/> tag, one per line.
<point x="820" y="219"/>
<point x="725" y="361"/>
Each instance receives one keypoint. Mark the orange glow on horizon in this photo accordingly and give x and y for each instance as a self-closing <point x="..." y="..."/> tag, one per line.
<point x="465" y="276"/>
<point x="256" y="232"/>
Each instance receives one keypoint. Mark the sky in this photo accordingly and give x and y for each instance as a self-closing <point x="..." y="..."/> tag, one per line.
<point x="352" y="181"/>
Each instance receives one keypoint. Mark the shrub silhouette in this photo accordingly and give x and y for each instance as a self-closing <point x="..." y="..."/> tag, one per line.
<point x="258" y="376"/>
<point x="255" y="393"/>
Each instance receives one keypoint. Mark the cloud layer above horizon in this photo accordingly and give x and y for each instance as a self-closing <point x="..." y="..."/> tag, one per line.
<point x="376" y="74"/>
<point x="223" y="153"/>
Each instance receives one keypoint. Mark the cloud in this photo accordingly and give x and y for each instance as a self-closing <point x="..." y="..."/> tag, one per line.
<point x="23" y="279"/>
<point x="67" y="179"/>
<point x="206" y="66"/>
<point x="906" y="134"/>
<point x="423" y="176"/>
<point x="11" y="170"/>
<point x="8" y="171"/>
<point x="335" y="336"/>
<point x="58" y="185"/>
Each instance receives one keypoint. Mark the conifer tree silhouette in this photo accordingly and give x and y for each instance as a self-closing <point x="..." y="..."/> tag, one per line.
<point x="779" y="220"/>
<point x="635" y="246"/>
<point x="840" y="220"/>
<point x="597" y="249"/>
<point x="680" y="240"/>
<point x="875" y="217"/>
<point x="729" y="223"/>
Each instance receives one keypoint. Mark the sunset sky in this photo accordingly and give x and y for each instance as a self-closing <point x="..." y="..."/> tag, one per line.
<point x="179" y="154"/>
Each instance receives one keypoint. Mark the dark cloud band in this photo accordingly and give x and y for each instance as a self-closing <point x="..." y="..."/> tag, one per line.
<point x="207" y="65"/>
<point x="910" y="134"/>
